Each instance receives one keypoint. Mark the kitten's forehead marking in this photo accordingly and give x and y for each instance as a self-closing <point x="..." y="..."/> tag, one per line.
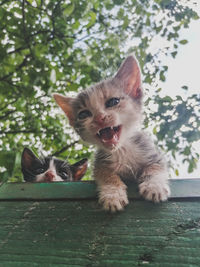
<point x="94" y="97"/>
<point x="52" y="166"/>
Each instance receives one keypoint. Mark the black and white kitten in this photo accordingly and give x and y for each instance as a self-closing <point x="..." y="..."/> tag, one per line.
<point x="50" y="169"/>
<point x="109" y="115"/>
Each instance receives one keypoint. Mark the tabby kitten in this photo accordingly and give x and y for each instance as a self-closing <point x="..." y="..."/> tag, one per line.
<point x="109" y="115"/>
<point x="50" y="169"/>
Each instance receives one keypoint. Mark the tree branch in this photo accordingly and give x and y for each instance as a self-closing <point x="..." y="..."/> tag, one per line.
<point x="64" y="148"/>
<point x="17" y="132"/>
<point x="16" y="50"/>
<point x="7" y="114"/>
<point x="26" y="37"/>
<point x="9" y="103"/>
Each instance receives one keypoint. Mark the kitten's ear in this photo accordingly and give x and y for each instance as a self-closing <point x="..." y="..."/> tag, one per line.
<point x="66" y="104"/>
<point x="129" y="74"/>
<point x="28" y="157"/>
<point x="79" y="169"/>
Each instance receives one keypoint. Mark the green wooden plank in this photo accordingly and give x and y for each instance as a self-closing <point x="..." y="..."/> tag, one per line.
<point x="58" y="190"/>
<point x="78" y="233"/>
<point x="180" y="188"/>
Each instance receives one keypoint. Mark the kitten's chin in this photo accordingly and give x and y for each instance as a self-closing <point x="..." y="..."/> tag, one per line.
<point x="109" y="136"/>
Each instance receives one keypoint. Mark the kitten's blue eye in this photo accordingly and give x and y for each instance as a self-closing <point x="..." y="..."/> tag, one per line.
<point x="84" y="114"/>
<point x="112" y="102"/>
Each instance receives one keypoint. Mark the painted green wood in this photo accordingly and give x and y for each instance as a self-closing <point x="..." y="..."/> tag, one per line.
<point x="180" y="188"/>
<point x="57" y="190"/>
<point x="79" y="234"/>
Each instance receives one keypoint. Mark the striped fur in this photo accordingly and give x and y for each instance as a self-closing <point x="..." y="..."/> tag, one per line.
<point x="127" y="153"/>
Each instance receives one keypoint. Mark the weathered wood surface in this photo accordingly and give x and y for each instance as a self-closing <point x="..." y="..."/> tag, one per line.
<point x="77" y="233"/>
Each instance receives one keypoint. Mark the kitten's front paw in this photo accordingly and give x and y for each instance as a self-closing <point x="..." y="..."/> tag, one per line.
<point x="154" y="191"/>
<point x="113" y="198"/>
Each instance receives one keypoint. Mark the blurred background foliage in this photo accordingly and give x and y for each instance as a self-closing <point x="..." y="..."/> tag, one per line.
<point x="63" y="46"/>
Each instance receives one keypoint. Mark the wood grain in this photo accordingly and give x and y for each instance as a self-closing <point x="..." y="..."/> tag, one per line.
<point x="79" y="233"/>
<point x="61" y="224"/>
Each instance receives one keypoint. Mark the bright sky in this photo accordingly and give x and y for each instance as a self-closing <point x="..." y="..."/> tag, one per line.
<point x="185" y="70"/>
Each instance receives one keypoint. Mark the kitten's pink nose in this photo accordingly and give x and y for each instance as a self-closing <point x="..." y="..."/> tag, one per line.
<point x="49" y="176"/>
<point x="100" y="118"/>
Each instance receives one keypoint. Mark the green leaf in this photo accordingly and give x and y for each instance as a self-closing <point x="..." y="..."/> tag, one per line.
<point x="174" y="54"/>
<point x="183" y="42"/>
<point x="184" y="87"/>
<point x="158" y="90"/>
<point x="155" y="130"/>
<point x="192" y="165"/>
<point x="187" y="151"/>
<point x="167" y="99"/>
<point x="92" y="19"/>
<point x="73" y="87"/>
<point x="162" y="76"/>
<point x="177" y="172"/>
<point x="76" y="25"/>
<point x="69" y="9"/>
<point x="120" y="13"/>
<point x="158" y="29"/>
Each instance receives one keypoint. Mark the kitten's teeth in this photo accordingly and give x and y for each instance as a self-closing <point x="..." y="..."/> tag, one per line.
<point x="115" y="137"/>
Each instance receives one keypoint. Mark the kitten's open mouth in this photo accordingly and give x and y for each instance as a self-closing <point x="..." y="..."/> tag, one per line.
<point x="109" y="135"/>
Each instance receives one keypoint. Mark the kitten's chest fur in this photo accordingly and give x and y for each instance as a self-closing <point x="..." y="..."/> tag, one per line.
<point x="129" y="160"/>
<point x="126" y="158"/>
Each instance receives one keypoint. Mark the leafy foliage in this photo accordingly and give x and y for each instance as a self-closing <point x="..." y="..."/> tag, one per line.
<point x="64" y="46"/>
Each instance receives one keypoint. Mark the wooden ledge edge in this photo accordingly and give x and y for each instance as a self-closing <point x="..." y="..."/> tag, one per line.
<point x="180" y="188"/>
